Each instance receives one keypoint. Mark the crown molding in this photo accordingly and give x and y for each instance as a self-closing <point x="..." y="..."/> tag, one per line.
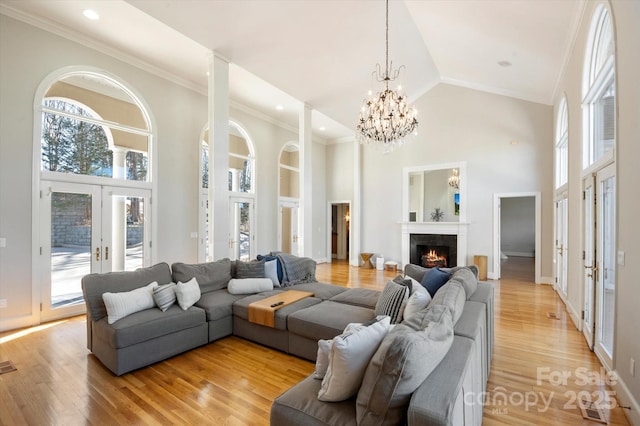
<point x="93" y="44"/>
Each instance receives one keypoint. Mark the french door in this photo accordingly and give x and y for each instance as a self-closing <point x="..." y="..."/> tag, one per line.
<point x="288" y="227"/>
<point x="84" y="229"/>
<point x="600" y="262"/>
<point x="241" y="228"/>
<point x="561" y="246"/>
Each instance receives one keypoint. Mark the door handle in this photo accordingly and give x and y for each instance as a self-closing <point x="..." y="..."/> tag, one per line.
<point x="106" y="253"/>
<point x="593" y="269"/>
<point x="97" y="254"/>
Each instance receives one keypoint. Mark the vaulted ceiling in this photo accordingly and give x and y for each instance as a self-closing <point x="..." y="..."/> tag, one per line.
<point x="322" y="52"/>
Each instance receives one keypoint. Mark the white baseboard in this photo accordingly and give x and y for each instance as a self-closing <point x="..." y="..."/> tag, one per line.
<point x="626" y="399"/>
<point x="322" y="260"/>
<point x="575" y="317"/>
<point x="520" y="253"/>
<point x="547" y="280"/>
<point x="491" y="275"/>
<point x="17" y="322"/>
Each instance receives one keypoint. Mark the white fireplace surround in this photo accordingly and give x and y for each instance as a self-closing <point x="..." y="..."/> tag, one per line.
<point x="438" y="228"/>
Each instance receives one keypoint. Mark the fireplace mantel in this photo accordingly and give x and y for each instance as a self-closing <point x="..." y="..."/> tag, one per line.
<point x="445" y="228"/>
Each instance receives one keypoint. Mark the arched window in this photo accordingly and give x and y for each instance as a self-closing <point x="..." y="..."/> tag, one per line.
<point x="93" y="195"/>
<point x="242" y="195"/>
<point x="241" y="160"/>
<point x="562" y="144"/>
<point x="599" y="91"/>
<point x="92" y="126"/>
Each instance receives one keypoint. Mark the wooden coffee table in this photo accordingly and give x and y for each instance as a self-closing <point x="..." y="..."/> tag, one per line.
<point x="263" y="311"/>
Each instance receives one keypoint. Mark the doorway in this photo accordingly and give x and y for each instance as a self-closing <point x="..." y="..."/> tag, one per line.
<point x="517" y="233"/>
<point x="241" y="228"/>
<point x="339" y="227"/>
<point x="599" y="278"/>
<point x="88" y="229"/>
<point x="288" y="227"/>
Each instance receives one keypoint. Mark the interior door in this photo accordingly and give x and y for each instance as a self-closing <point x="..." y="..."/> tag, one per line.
<point x="605" y="273"/>
<point x="241" y="232"/>
<point x="589" y="259"/>
<point x="289" y="227"/>
<point x="86" y="229"/>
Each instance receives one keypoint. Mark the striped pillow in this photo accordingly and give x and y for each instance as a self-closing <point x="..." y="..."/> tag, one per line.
<point x="252" y="269"/>
<point x="391" y="300"/>
<point x="165" y="296"/>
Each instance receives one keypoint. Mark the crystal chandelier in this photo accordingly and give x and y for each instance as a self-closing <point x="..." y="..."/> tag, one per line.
<point x="454" y="179"/>
<point x="386" y="120"/>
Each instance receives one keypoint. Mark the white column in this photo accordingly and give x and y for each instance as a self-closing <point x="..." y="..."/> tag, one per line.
<point x="356" y="220"/>
<point x="118" y="212"/>
<point x="219" y="155"/>
<point x="306" y="182"/>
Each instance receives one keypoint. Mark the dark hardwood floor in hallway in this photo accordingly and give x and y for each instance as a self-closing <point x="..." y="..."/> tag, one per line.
<point x="233" y="381"/>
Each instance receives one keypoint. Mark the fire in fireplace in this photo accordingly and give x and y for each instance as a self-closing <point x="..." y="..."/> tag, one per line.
<point x="433" y="250"/>
<point x="432" y="257"/>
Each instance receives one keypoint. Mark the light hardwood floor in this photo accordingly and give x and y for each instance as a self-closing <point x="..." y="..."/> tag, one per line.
<point x="233" y="381"/>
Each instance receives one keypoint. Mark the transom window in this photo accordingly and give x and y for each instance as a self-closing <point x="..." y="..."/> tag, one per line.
<point x="562" y="144"/>
<point x="91" y="126"/>
<point x="290" y="171"/>
<point x="241" y="164"/>
<point x="599" y="92"/>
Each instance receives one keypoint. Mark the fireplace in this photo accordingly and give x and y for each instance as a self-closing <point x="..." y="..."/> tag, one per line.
<point x="433" y="250"/>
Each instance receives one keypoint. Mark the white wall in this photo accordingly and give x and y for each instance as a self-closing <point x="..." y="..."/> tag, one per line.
<point x="179" y="115"/>
<point x="459" y="124"/>
<point x="518" y="226"/>
<point x="626" y="19"/>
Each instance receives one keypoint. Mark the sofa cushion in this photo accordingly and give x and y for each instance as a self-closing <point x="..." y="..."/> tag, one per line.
<point x="403" y="361"/>
<point x="164" y="296"/>
<point x="94" y="285"/>
<point x="281" y="316"/>
<point x="348" y="359"/>
<point x="300" y="406"/>
<point x="218" y="304"/>
<point x="417" y="272"/>
<point x="358" y="297"/>
<point x="320" y="290"/>
<point x="468" y="280"/>
<point x="326" y="320"/>
<point x="391" y="301"/>
<point x="453" y="296"/>
<point x="124" y="303"/>
<point x="249" y="285"/>
<point x="210" y="275"/>
<point x="147" y="325"/>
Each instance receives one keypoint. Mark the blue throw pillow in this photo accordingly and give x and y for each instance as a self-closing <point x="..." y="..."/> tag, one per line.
<point x="268" y="258"/>
<point x="433" y="279"/>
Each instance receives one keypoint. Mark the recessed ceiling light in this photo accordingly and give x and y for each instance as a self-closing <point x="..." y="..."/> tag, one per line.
<point x="504" y="64"/>
<point x="279" y="107"/>
<point x="322" y="129"/>
<point x="91" y="14"/>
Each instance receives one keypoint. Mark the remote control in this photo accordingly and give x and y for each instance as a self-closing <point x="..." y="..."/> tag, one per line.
<point x="277" y="304"/>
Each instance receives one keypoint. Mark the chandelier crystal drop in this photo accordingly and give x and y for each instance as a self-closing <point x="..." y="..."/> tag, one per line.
<point x="386" y="120"/>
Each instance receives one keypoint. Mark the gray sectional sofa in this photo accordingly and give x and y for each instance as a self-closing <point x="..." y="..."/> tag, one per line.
<point x="151" y="335"/>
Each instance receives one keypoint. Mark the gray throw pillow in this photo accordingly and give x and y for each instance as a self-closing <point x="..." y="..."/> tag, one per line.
<point x="252" y="269"/>
<point x="391" y="300"/>
<point x="453" y="296"/>
<point x="468" y="280"/>
<point x="210" y="275"/>
<point x="403" y="361"/>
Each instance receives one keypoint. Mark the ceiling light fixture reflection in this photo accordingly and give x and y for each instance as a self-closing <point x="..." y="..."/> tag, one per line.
<point x="91" y="14"/>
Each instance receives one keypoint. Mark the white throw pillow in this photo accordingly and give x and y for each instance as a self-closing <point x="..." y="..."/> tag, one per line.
<point x="417" y="302"/>
<point x="322" y="360"/>
<point x="348" y="359"/>
<point x="119" y="305"/>
<point x="249" y="285"/>
<point x="188" y="293"/>
<point x="271" y="271"/>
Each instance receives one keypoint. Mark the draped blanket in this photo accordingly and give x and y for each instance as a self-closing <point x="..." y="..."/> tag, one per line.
<point x="296" y="270"/>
